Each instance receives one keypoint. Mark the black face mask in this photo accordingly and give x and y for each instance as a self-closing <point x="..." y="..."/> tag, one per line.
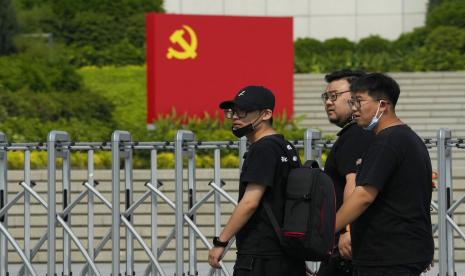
<point x="245" y="130"/>
<point x="240" y="132"/>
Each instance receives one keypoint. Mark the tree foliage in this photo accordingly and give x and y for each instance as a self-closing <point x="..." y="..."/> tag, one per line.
<point x="449" y="13"/>
<point x="96" y="32"/>
<point x="433" y="4"/>
<point x="45" y="92"/>
<point x="102" y="31"/>
<point x="8" y="27"/>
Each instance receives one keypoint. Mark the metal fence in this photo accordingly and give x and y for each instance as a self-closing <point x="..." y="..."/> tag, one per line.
<point x="60" y="146"/>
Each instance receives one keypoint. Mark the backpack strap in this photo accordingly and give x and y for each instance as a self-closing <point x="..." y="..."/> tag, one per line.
<point x="274" y="221"/>
<point x="294" y="164"/>
<point x="284" y="144"/>
<point x="313" y="164"/>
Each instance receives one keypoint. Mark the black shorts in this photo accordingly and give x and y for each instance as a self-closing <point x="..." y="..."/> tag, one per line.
<point x="247" y="265"/>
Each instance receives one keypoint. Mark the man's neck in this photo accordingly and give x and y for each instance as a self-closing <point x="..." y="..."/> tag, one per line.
<point x="260" y="132"/>
<point x="343" y="123"/>
<point x="388" y="120"/>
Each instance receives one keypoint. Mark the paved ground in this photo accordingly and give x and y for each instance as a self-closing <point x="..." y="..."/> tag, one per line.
<point x="105" y="269"/>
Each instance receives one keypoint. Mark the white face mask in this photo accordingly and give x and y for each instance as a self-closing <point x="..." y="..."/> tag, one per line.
<point x="374" y="120"/>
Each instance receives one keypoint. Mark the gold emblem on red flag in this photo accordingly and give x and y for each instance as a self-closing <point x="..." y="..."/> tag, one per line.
<point x="188" y="49"/>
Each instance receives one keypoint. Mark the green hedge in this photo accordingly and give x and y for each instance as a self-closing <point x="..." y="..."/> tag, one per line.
<point x="8" y="27"/>
<point x="439" y="46"/>
<point x="40" y="91"/>
<point x="439" y="49"/>
<point x="95" y="32"/>
<point x="102" y="160"/>
<point x="449" y="13"/>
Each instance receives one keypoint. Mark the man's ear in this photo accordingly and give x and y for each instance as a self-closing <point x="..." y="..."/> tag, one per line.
<point x="384" y="104"/>
<point x="267" y="114"/>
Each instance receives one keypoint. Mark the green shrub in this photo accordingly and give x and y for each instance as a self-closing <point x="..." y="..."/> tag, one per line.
<point x="15" y="160"/>
<point x="289" y="127"/>
<point x="44" y="93"/>
<point x="92" y="28"/>
<point x="450" y="13"/>
<point x="165" y="160"/>
<point x="307" y="52"/>
<point x="20" y="129"/>
<point x="324" y="156"/>
<point x="58" y="109"/>
<point x="38" y="160"/>
<point x="405" y="50"/>
<point x="432" y="4"/>
<point x="124" y="89"/>
<point x="373" y="53"/>
<point x="38" y="73"/>
<point x="230" y="161"/>
<point x="31" y="16"/>
<point x="19" y="72"/>
<point x="373" y="44"/>
<point x="408" y="42"/>
<point x="204" y="161"/>
<point x="102" y="32"/>
<point x="140" y="162"/>
<point x="124" y="53"/>
<point x="56" y="106"/>
<point x="102" y="160"/>
<point x="3" y="112"/>
<point x="446" y="38"/>
<point x="78" y="160"/>
<point x="8" y="27"/>
<point x="338" y="53"/>
<point x="444" y="50"/>
<point x="338" y="45"/>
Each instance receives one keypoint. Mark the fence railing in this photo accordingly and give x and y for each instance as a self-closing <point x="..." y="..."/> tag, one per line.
<point x="60" y="146"/>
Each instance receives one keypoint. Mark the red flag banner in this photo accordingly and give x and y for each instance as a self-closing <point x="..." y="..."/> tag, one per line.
<point x="194" y="62"/>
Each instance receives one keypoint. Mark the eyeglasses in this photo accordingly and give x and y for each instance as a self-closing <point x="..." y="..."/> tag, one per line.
<point x="229" y="113"/>
<point x="332" y="96"/>
<point x="357" y="102"/>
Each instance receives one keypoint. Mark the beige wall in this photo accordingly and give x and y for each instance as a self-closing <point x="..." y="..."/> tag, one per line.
<point x="321" y="19"/>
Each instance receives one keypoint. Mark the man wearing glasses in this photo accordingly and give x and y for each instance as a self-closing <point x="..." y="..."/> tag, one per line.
<point x="263" y="177"/>
<point x="389" y="209"/>
<point x="340" y="165"/>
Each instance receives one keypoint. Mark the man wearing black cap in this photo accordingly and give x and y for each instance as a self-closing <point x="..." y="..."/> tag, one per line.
<point x="262" y="179"/>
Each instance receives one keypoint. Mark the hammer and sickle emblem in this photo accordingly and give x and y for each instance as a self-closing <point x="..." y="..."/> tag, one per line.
<point x="189" y="49"/>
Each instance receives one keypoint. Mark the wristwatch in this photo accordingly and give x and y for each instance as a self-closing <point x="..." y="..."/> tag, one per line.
<point x="218" y="243"/>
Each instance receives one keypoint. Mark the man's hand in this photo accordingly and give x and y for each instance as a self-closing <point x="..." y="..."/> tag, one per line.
<point x="360" y="199"/>
<point x="345" y="246"/>
<point x="214" y="256"/>
<point x="429" y="267"/>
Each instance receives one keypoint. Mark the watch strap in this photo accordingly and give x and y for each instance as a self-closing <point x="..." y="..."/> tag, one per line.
<point x="218" y="243"/>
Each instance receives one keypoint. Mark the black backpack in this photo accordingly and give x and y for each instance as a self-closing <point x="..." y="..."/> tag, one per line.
<point x="310" y="211"/>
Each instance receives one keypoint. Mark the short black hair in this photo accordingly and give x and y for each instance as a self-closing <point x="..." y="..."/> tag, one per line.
<point x="379" y="86"/>
<point x="346" y="74"/>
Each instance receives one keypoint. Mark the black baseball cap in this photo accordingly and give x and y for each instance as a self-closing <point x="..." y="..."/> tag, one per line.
<point x="251" y="98"/>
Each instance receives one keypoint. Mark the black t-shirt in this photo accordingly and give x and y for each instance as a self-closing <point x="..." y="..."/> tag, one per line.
<point x="396" y="228"/>
<point x="352" y="143"/>
<point x="265" y="164"/>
